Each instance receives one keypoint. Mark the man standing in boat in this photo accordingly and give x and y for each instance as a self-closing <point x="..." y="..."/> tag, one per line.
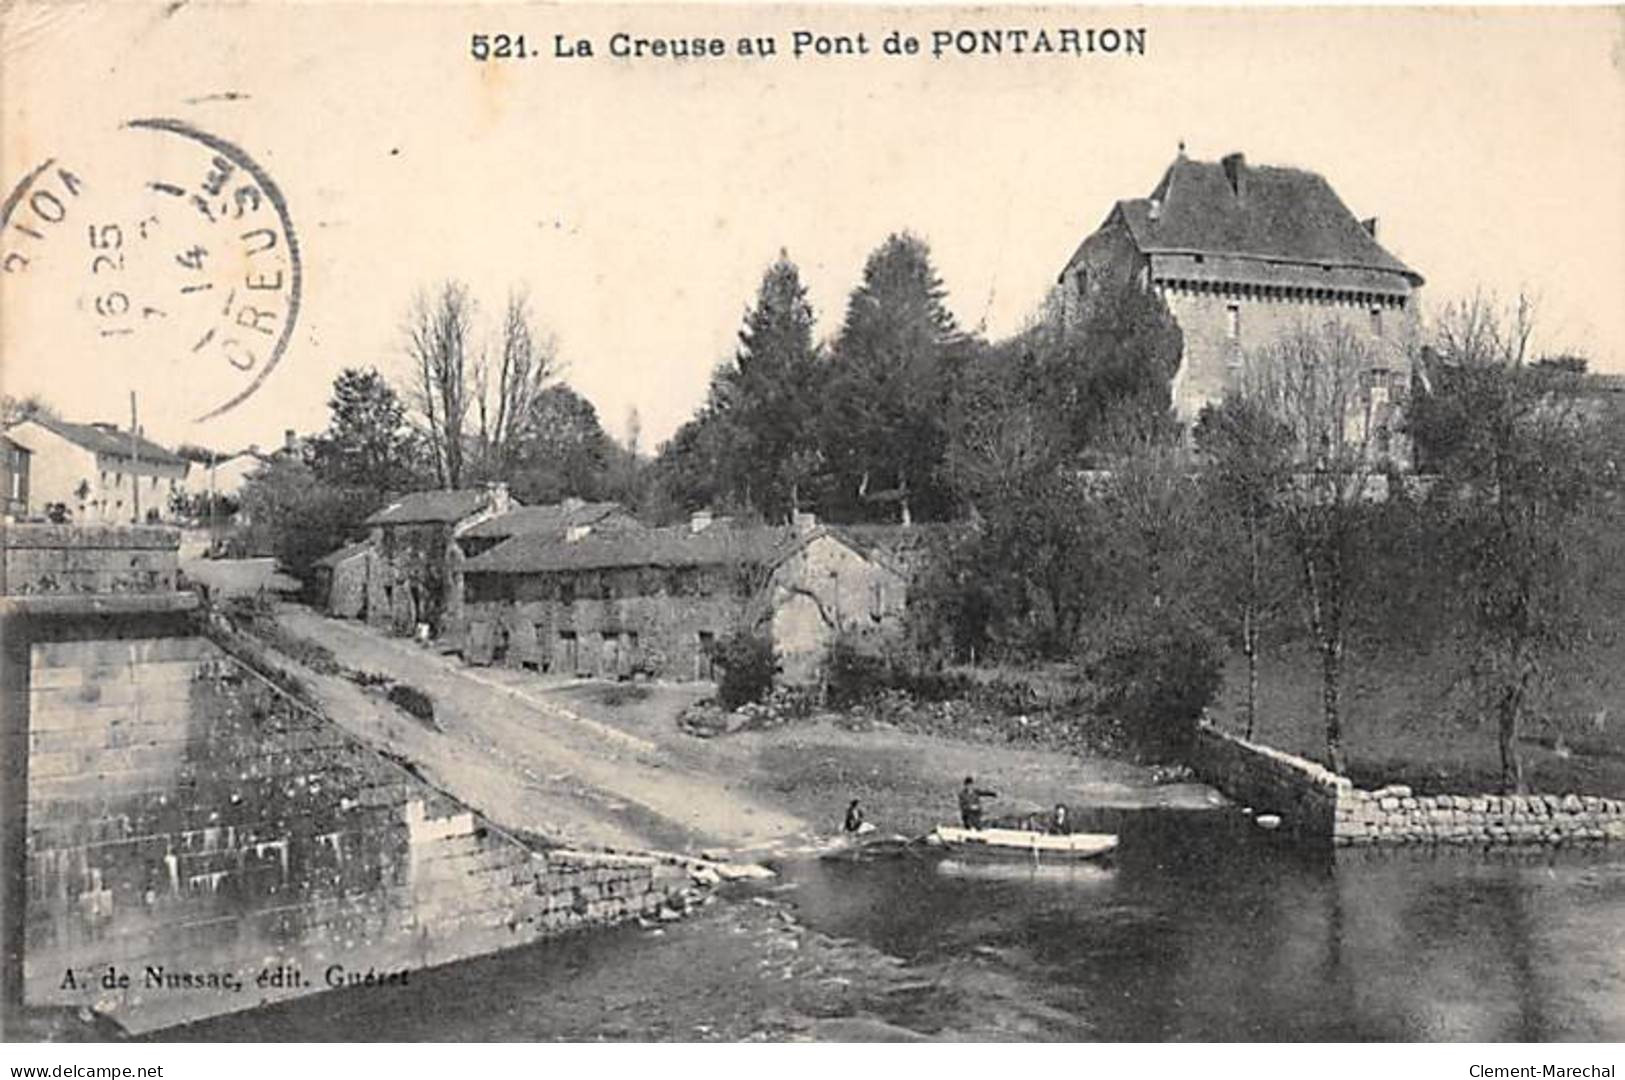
<point x="970" y="803"/>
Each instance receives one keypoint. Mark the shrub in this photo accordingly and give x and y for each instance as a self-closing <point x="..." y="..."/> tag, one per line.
<point x="413" y="701"/>
<point x="749" y="664"/>
<point x="1155" y="680"/>
<point x="853" y="674"/>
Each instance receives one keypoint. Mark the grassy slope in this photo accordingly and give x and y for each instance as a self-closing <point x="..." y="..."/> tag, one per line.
<point x="1411" y="718"/>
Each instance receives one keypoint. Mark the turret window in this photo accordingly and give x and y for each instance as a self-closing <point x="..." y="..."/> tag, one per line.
<point x="1376" y="321"/>
<point x="1232" y="322"/>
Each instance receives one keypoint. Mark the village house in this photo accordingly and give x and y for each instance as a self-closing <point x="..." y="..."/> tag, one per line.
<point x="14" y="469"/>
<point x="97" y="473"/>
<point x="413" y="574"/>
<point x="1245" y="255"/>
<point x="224" y="477"/>
<point x="657" y="601"/>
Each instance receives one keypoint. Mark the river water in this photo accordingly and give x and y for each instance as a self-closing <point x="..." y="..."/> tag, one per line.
<point x="1207" y="928"/>
<point x="1204" y="927"/>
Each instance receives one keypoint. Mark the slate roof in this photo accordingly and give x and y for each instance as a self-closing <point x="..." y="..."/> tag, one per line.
<point x="905" y="547"/>
<point x="553" y="518"/>
<point x="1281" y="215"/>
<point x="348" y="551"/>
<point x="431" y="507"/>
<point x="101" y="440"/>
<point x="670" y="547"/>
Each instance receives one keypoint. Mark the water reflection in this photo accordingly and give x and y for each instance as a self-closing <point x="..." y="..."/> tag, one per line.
<point x="1073" y="875"/>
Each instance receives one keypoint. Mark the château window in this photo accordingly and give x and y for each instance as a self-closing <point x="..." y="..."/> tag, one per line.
<point x="1232" y="322"/>
<point x="1376" y="321"/>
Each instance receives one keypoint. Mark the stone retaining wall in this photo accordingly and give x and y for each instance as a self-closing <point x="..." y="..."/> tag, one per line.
<point x="1319" y="804"/>
<point x="55" y="560"/>
<point x="186" y="821"/>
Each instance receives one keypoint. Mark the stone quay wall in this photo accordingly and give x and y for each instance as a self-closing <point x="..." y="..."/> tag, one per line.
<point x="181" y="836"/>
<point x="1321" y="805"/>
<point x="216" y="846"/>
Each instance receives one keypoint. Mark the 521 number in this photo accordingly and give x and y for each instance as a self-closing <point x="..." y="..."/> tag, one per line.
<point x="497" y="47"/>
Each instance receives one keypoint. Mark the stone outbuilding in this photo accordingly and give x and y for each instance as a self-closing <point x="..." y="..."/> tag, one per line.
<point x="341" y="579"/>
<point x="657" y="601"/>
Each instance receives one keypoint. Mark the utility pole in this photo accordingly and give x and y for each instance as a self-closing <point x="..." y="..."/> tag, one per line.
<point x="135" y="461"/>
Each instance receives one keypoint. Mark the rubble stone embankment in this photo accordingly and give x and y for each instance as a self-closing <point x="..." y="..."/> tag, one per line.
<point x="1316" y="803"/>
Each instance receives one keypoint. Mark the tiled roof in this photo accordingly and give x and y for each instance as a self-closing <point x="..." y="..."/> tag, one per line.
<point x="348" y="551"/>
<point x="1281" y="215"/>
<point x="552" y="518"/>
<point x="904" y="546"/>
<point x="107" y="440"/>
<point x="431" y="507"/>
<point x="674" y="546"/>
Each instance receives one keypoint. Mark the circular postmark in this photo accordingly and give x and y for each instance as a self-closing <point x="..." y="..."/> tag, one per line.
<point x="161" y="256"/>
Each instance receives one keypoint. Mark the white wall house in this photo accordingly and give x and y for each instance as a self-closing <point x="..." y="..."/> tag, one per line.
<point x="99" y="473"/>
<point x="226" y="476"/>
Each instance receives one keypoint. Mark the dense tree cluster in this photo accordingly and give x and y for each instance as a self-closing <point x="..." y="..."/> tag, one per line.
<point x="1088" y="528"/>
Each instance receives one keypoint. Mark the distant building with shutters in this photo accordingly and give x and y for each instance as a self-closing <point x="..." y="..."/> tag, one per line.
<point x="97" y="473"/>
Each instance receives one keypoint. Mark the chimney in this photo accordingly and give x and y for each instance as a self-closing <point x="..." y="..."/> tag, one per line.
<point x="699" y="521"/>
<point x="804" y="522"/>
<point x="496" y="497"/>
<point x="573" y="503"/>
<point x="1370" y="226"/>
<point x="576" y="532"/>
<point x="1235" y="171"/>
<point x="290" y="441"/>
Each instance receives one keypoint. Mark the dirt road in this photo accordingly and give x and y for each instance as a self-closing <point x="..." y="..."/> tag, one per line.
<point x="601" y="764"/>
<point x="529" y="764"/>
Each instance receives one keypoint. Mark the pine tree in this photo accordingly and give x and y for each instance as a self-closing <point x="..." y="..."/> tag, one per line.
<point x="883" y="433"/>
<point x="771" y="399"/>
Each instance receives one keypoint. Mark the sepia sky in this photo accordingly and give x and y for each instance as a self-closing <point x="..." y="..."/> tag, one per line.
<point x="638" y="201"/>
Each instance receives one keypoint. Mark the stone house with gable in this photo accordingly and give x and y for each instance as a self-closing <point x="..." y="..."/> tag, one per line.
<point x="1244" y="255"/>
<point x="657" y="601"/>
<point x="413" y="570"/>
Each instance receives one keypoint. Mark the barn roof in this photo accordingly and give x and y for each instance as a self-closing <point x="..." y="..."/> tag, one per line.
<point x="673" y="546"/>
<point x="432" y="507"/>
<point x="1269" y="213"/>
<point x="553" y="518"/>
<point x="344" y="554"/>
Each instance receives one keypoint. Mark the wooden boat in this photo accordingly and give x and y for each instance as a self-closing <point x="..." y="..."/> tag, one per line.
<point x="1022" y="843"/>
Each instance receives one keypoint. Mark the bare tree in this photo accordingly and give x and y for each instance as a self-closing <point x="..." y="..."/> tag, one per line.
<point x="438" y="330"/>
<point x="1517" y="500"/>
<point x="14" y="410"/>
<point x="526" y="363"/>
<point x="1317" y="383"/>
